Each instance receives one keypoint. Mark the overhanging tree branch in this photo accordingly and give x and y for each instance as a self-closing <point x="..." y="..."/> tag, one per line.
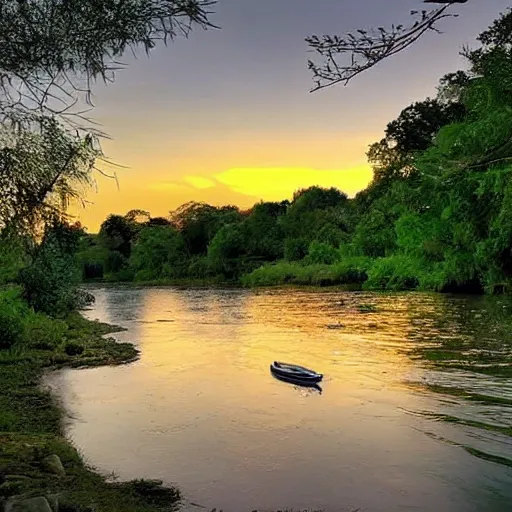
<point x="51" y="51"/>
<point x="345" y="57"/>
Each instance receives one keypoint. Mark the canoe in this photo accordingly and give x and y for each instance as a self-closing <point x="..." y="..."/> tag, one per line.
<point x="295" y="372"/>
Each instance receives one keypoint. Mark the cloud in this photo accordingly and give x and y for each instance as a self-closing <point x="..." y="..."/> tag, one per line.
<point x="275" y="183"/>
<point x="199" y="182"/>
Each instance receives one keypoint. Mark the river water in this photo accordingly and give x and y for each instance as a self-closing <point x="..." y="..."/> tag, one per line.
<point x="201" y="409"/>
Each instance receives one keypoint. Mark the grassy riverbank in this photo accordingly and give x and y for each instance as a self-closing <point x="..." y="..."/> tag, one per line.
<point x="31" y="425"/>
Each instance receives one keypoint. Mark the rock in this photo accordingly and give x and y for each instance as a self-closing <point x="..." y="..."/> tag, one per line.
<point x="53" y="501"/>
<point x="53" y="464"/>
<point x="30" y="505"/>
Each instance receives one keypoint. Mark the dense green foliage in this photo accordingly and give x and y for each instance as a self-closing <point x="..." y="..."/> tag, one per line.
<point x="435" y="217"/>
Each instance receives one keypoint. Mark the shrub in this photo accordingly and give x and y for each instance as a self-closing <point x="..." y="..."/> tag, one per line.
<point x="12" y="258"/>
<point x="393" y="273"/>
<point x="348" y="271"/>
<point x="73" y="349"/>
<point x="145" y="274"/>
<point x="50" y="281"/>
<point x="352" y="270"/>
<point x="115" y="262"/>
<point x="295" y="249"/>
<point x="200" y="267"/>
<point x="43" y="332"/>
<point x="12" y="319"/>
<point x="321" y="252"/>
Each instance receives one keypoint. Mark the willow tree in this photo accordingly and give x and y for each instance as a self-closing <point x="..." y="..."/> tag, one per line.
<point x="51" y="54"/>
<point x="52" y="51"/>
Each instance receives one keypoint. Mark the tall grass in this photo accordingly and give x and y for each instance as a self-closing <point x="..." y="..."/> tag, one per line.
<point x="348" y="271"/>
<point x="400" y="272"/>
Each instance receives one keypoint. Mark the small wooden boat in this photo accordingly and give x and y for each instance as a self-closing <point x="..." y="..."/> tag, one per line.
<point x="294" y="372"/>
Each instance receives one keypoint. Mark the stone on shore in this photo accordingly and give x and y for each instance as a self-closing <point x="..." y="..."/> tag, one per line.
<point x="53" y="464"/>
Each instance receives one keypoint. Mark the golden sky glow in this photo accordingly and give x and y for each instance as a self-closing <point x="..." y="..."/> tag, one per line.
<point x="236" y="169"/>
<point x="226" y="116"/>
<point x="279" y="183"/>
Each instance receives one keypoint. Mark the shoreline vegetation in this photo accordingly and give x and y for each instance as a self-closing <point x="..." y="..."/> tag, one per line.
<point x="38" y="466"/>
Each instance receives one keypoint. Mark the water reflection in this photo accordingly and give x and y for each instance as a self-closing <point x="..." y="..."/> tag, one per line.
<point x="298" y="384"/>
<point x="391" y="432"/>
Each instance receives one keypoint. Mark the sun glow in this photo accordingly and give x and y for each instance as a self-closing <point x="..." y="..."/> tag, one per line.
<point x="280" y="183"/>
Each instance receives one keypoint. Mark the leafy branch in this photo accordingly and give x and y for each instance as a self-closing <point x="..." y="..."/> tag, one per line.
<point x="343" y="58"/>
<point x="51" y="51"/>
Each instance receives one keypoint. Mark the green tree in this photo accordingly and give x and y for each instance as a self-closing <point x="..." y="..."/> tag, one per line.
<point x="226" y="249"/>
<point x="262" y="231"/>
<point x="41" y="171"/>
<point x="159" y="252"/>
<point x="117" y="234"/>
<point x="199" y="223"/>
<point x="50" y="282"/>
<point x="295" y="249"/>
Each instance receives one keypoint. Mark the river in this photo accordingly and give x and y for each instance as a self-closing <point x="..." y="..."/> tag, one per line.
<point x="201" y="409"/>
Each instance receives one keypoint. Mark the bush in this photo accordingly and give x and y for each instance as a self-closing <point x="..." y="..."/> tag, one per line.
<point x="348" y="271"/>
<point x="50" y="282"/>
<point x="145" y="274"/>
<point x="323" y="253"/>
<point x="115" y="262"/>
<point x="295" y="249"/>
<point x="394" y="273"/>
<point x="73" y="349"/>
<point x="124" y="275"/>
<point x="271" y="275"/>
<point x="43" y="332"/>
<point x="12" y="258"/>
<point x="12" y="319"/>
<point x="352" y="270"/>
<point x="200" y="267"/>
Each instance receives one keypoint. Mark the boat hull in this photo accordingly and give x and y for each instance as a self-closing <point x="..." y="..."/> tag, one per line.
<point x="295" y="374"/>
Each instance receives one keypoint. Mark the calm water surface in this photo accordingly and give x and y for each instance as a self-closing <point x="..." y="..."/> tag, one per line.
<point x="201" y="409"/>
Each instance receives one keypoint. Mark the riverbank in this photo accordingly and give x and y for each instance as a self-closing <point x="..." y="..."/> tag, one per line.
<point x="394" y="273"/>
<point x="37" y="463"/>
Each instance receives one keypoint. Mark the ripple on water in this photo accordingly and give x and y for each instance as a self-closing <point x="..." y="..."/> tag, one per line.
<point x="415" y="411"/>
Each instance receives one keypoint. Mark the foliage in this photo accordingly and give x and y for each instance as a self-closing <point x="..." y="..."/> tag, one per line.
<point x="199" y="223"/>
<point x="226" y="249"/>
<point x="12" y="313"/>
<point x="159" y="252"/>
<point x="320" y="252"/>
<point x="13" y="257"/>
<point x="349" y="271"/>
<point x="53" y="51"/>
<point x="435" y="217"/>
<point x="295" y="249"/>
<point x="43" y="332"/>
<point x="345" y="57"/>
<point x="41" y="170"/>
<point x="117" y="233"/>
<point x="50" y="281"/>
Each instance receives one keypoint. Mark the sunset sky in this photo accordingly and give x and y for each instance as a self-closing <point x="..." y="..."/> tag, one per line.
<point x="226" y="116"/>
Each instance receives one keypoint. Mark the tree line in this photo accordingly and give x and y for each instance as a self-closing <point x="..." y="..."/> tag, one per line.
<point x="436" y="215"/>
